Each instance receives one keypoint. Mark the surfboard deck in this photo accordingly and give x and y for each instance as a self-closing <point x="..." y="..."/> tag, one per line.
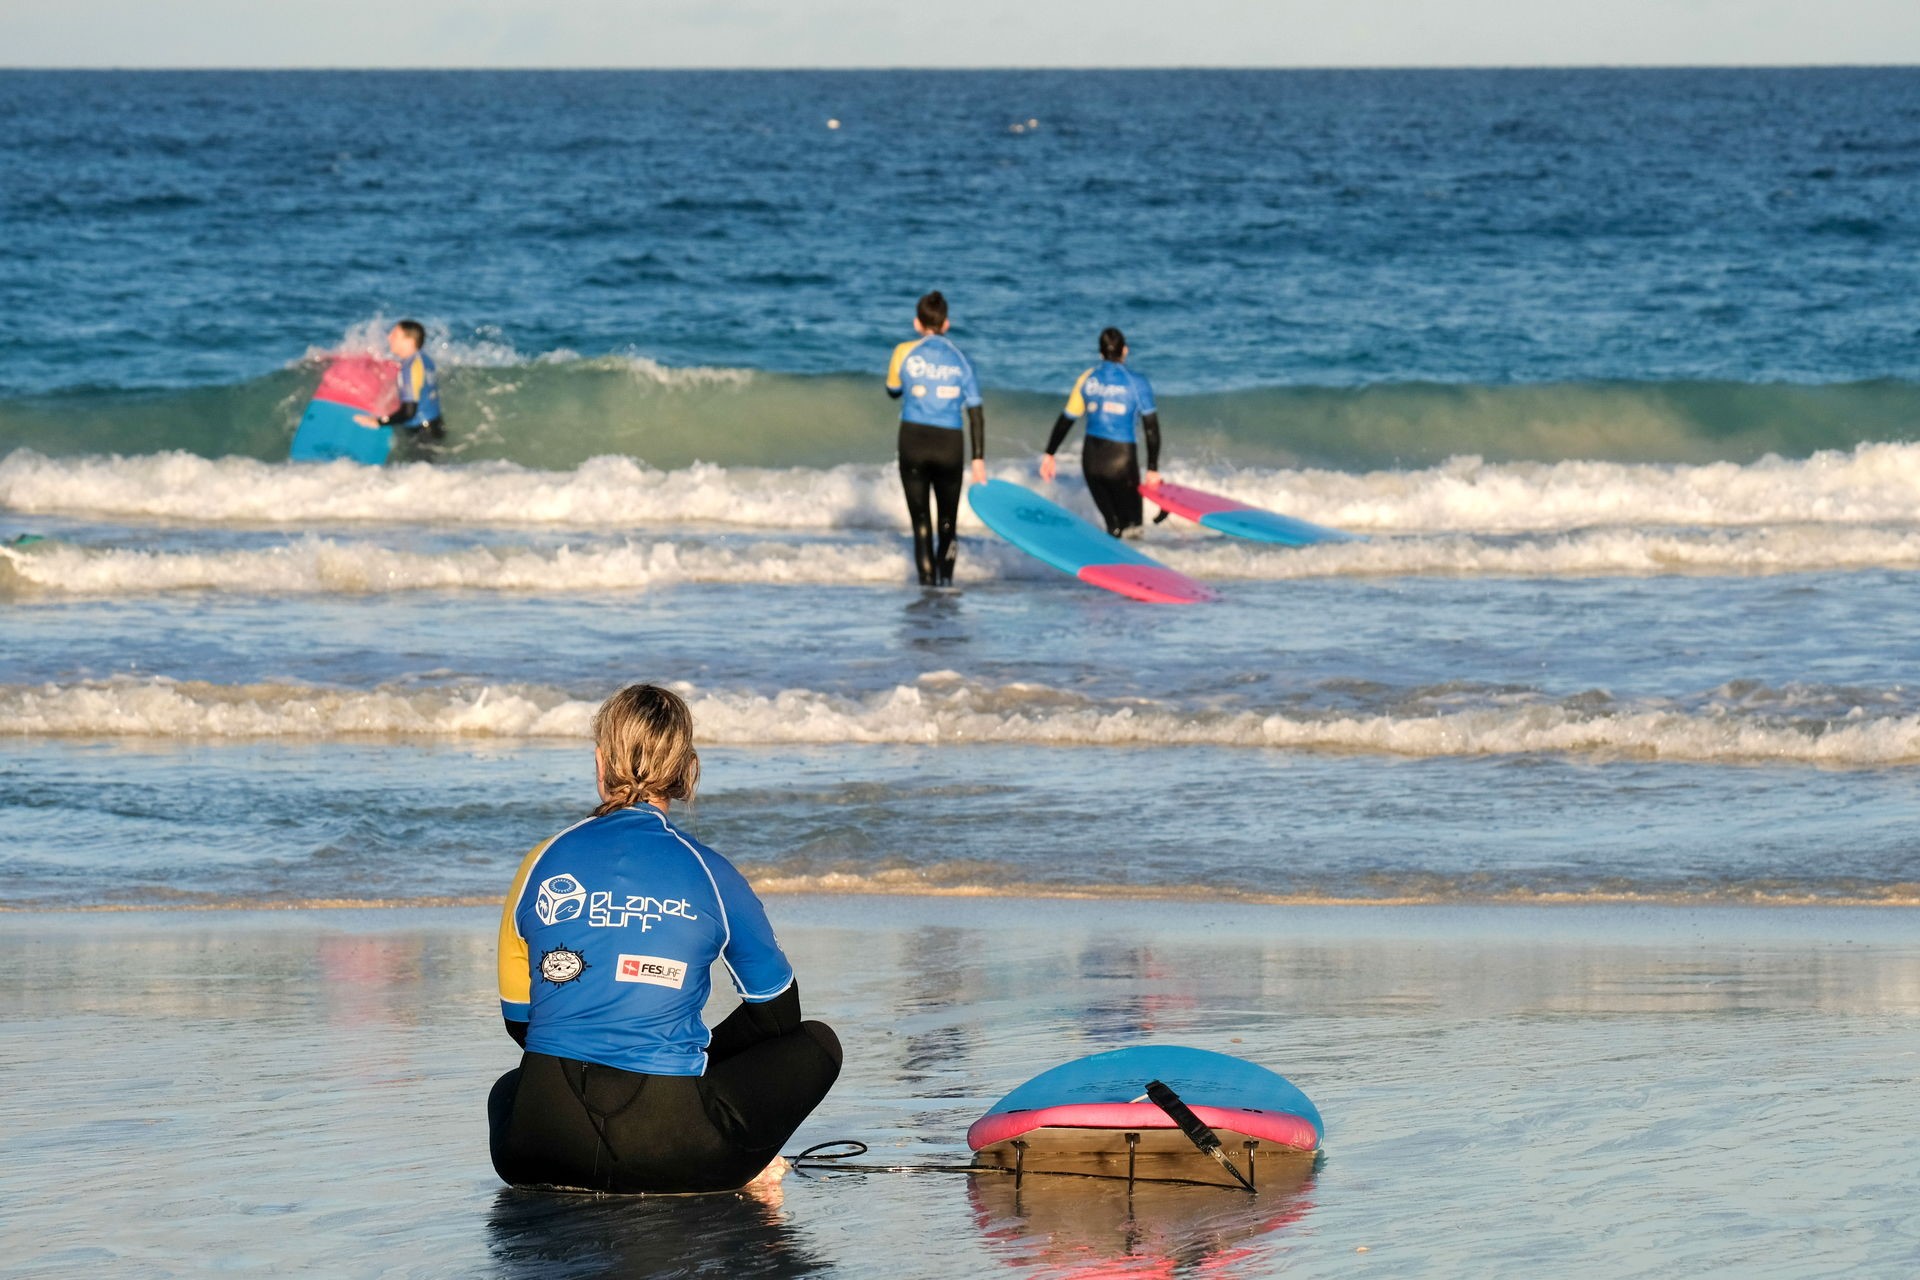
<point x="1053" y="535"/>
<point x="351" y="385"/>
<point x="1085" y="1108"/>
<point x="1237" y="519"/>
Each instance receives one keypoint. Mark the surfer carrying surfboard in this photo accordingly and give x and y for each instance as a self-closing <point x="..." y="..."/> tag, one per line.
<point x="940" y="400"/>
<point x="607" y="940"/>
<point x="1115" y="401"/>
<point x="418" y="417"/>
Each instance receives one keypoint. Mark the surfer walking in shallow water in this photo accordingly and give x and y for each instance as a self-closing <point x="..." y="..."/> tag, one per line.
<point x="1115" y="400"/>
<point x="940" y="402"/>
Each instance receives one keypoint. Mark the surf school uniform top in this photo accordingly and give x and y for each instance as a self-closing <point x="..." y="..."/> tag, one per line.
<point x="419" y="386"/>
<point x="1114" y="398"/>
<point x="934" y="382"/>
<point x="607" y="935"/>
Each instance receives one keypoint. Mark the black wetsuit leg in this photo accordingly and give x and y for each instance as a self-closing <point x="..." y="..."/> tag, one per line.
<point x="1112" y="469"/>
<point x="420" y="444"/>
<point x="932" y="467"/>
<point x="560" y="1123"/>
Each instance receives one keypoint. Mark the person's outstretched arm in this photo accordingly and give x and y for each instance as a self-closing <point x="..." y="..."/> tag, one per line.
<point x="1061" y="425"/>
<point x="403" y="414"/>
<point x="976" y="419"/>
<point x="1076" y="405"/>
<point x="1149" y="427"/>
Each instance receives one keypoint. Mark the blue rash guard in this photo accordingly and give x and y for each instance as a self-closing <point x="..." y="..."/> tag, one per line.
<point x="607" y="936"/>
<point x="419" y="386"/>
<point x="1114" y="398"/>
<point x="935" y="383"/>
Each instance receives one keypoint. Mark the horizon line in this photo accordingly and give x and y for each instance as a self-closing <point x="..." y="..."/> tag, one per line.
<point x="953" y="70"/>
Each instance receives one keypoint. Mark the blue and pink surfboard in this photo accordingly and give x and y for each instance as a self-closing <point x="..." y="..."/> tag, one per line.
<point x="1052" y="534"/>
<point x="1237" y="519"/>
<point x="1085" y="1108"/>
<point x="351" y="385"/>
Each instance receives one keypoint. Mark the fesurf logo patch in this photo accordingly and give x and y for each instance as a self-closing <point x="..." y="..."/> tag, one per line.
<point x="657" y="971"/>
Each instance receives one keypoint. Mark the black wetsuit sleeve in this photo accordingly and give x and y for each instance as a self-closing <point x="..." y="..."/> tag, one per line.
<point x="403" y="414"/>
<point x="518" y="1030"/>
<point x="1061" y="425"/>
<point x="977" y="429"/>
<point x="894" y="393"/>
<point x="1150" y="427"/>
<point x="751" y="1023"/>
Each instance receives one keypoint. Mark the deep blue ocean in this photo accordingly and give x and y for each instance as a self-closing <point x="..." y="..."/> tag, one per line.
<point x="1619" y="371"/>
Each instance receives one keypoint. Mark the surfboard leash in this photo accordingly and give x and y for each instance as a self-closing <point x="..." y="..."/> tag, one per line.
<point x="820" y="1158"/>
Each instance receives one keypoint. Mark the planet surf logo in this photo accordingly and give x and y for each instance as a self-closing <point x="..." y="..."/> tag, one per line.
<point x="562" y="898"/>
<point x="921" y="367"/>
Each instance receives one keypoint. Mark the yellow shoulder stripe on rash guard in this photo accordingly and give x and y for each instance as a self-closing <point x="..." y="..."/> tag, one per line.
<point x="899" y="358"/>
<point x="419" y="372"/>
<point x="516" y="980"/>
<point x="1075" y="404"/>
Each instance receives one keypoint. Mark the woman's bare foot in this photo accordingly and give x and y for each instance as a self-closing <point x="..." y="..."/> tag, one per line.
<point x="766" y="1186"/>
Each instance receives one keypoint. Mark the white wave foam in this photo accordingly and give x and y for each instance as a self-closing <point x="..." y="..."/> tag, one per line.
<point x="1588" y="553"/>
<point x="312" y="565"/>
<point x="318" y="565"/>
<point x="1873" y="484"/>
<point x="944" y="710"/>
<point x="489" y="350"/>
<point x="604" y="493"/>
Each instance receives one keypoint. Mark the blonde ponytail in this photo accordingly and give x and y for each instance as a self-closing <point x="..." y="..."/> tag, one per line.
<point x="644" y="738"/>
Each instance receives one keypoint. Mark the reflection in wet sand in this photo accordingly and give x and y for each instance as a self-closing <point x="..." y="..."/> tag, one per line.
<point x="533" y="1235"/>
<point x="1068" y="1226"/>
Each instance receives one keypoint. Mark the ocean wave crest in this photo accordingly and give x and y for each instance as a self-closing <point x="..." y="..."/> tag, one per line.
<point x="1871" y="484"/>
<point x="1742" y="723"/>
<point x="318" y="565"/>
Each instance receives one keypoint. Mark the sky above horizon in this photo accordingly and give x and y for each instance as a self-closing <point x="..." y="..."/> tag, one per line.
<point x="997" y="33"/>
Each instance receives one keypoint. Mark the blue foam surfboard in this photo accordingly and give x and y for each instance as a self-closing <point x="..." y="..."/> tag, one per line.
<point x="328" y="431"/>
<point x="352" y="385"/>
<point x="1087" y="1104"/>
<point x="1050" y="533"/>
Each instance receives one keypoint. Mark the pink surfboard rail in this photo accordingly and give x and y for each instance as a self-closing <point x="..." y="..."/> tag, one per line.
<point x="1152" y="583"/>
<point x="1277" y="1127"/>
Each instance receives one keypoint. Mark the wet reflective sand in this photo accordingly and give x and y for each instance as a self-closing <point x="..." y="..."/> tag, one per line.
<point x="1507" y="1091"/>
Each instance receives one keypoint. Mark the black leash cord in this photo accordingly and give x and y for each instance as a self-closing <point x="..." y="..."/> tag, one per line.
<point x="820" y="1158"/>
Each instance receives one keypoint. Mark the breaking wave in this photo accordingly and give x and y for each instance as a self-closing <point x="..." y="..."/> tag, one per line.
<point x="313" y="565"/>
<point x="1870" y="484"/>
<point x="557" y="409"/>
<point x="1737" y="723"/>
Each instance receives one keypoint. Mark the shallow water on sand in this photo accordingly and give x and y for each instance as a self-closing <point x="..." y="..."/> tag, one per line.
<point x="1507" y="1091"/>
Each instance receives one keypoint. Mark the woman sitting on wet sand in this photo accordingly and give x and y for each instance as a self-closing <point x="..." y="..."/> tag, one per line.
<point x="606" y="940"/>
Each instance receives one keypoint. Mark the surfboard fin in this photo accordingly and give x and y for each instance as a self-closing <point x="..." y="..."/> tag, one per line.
<point x="1194" y="1127"/>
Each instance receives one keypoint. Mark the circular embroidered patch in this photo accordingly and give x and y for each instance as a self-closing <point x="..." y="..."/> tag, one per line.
<point x="561" y="965"/>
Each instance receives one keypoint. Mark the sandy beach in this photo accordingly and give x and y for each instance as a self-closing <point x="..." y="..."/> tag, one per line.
<point x="1609" y="1090"/>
